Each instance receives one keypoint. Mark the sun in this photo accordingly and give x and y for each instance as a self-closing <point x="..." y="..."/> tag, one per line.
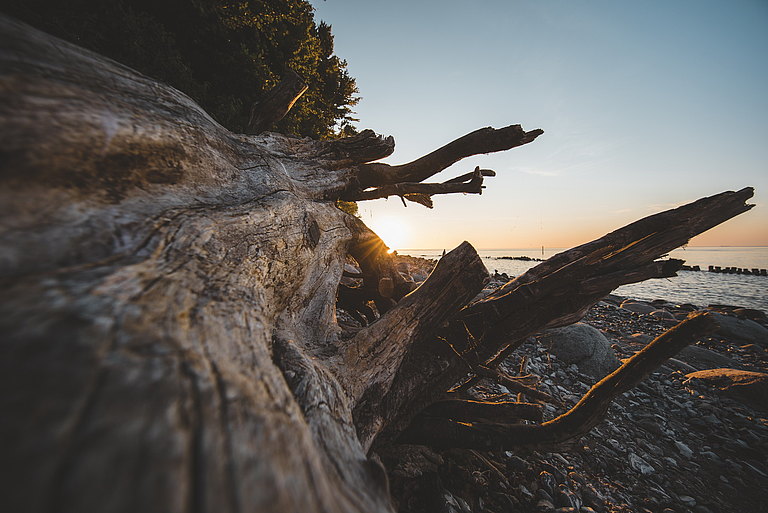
<point x="392" y="230"/>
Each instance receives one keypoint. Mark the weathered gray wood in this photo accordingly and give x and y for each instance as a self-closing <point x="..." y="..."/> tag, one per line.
<point x="471" y="183"/>
<point x="157" y="272"/>
<point x="484" y="140"/>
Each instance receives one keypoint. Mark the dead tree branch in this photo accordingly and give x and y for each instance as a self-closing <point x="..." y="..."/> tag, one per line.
<point x="588" y="412"/>
<point x="484" y="140"/>
<point x="276" y="102"/>
<point x="556" y="292"/>
<point x="503" y="412"/>
<point x="471" y="183"/>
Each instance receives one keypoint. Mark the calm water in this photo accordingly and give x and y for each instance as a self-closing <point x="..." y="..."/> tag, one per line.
<point x="699" y="288"/>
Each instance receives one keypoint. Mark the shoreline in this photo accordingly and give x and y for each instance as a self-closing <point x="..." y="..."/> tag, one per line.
<point x="699" y="288"/>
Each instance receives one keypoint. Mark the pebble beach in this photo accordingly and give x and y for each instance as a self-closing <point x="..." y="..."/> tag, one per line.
<point x="692" y="437"/>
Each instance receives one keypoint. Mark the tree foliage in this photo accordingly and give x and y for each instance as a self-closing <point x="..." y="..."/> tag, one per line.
<point x="225" y="54"/>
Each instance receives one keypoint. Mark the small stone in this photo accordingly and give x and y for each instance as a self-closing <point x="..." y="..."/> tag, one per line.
<point x="637" y="306"/>
<point x="573" y="477"/>
<point x="688" y="501"/>
<point x="542" y="494"/>
<point x="684" y="450"/>
<point x="592" y="497"/>
<point x="672" y="462"/>
<point x="662" y="315"/>
<point x="586" y="509"/>
<point x="565" y="498"/>
<point x="615" y="445"/>
<point x="517" y="464"/>
<point x="544" y="506"/>
<point x="640" y="338"/>
<point x="640" y="465"/>
<point x="547" y="482"/>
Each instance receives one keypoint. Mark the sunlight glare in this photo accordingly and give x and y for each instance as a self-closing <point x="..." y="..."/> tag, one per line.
<point x="392" y="230"/>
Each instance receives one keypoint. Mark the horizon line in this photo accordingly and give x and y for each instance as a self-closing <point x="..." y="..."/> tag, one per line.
<point x="538" y="248"/>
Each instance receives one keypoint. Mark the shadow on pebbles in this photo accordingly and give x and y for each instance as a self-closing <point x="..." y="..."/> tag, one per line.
<point x="679" y="442"/>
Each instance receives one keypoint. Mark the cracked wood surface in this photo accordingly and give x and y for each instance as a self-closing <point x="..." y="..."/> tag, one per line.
<point x="153" y="266"/>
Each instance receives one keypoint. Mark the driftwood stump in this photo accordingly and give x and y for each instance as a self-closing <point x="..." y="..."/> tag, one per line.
<point x="168" y="339"/>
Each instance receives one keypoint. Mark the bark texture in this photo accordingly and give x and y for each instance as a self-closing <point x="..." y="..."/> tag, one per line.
<point x="168" y="334"/>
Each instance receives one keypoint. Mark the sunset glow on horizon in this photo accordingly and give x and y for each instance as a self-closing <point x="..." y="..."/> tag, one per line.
<point x="644" y="107"/>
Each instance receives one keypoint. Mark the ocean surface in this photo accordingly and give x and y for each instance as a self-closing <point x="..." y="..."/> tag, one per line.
<point x="699" y="288"/>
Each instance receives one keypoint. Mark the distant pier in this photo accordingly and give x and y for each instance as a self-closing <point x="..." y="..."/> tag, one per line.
<point x="728" y="270"/>
<point x="712" y="268"/>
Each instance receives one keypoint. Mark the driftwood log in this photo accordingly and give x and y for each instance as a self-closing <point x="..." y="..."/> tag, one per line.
<point x="168" y="333"/>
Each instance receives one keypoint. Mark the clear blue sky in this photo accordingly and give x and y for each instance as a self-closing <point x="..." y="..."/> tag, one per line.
<point x="644" y="105"/>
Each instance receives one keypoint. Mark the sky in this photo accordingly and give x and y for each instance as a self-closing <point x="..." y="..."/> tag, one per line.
<point x="644" y="105"/>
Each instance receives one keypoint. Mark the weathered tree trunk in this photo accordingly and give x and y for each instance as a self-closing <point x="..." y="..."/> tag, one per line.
<point x="167" y="322"/>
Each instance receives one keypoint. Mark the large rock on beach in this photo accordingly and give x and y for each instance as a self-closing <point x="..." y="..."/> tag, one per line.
<point x="748" y="387"/>
<point x="701" y="358"/>
<point x="741" y="330"/>
<point x="583" y="345"/>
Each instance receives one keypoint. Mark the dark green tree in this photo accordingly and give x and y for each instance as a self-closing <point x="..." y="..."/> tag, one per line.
<point x="225" y="54"/>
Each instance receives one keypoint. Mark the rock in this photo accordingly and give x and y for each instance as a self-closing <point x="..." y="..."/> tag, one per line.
<point x="748" y="387"/>
<point x="547" y="482"/>
<point x="672" y="462"/>
<point x="640" y="465"/>
<point x="453" y="504"/>
<point x="583" y="345"/>
<point x="565" y="498"/>
<point x="525" y="492"/>
<point x="542" y="494"/>
<point x="676" y="364"/>
<point x="517" y="464"/>
<point x="663" y="315"/>
<point x="651" y="426"/>
<point x="544" y="506"/>
<point x="640" y="338"/>
<point x="592" y="497"/>
<point x="701" y="358"/>
<point x="688" y="501"/>
<point x="684" y="450"/>
<point x="576" y="480"/>
<point x="742" y="330"/>
<point x="751" y="313"/>
<point x="633" y="305"/>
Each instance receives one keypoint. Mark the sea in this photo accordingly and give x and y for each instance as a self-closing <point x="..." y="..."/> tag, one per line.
<point x="700" y="288"/>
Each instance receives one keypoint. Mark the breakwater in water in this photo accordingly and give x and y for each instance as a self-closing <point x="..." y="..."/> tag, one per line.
<point x="710" y="268"/>
<point x="728" y="270"/>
